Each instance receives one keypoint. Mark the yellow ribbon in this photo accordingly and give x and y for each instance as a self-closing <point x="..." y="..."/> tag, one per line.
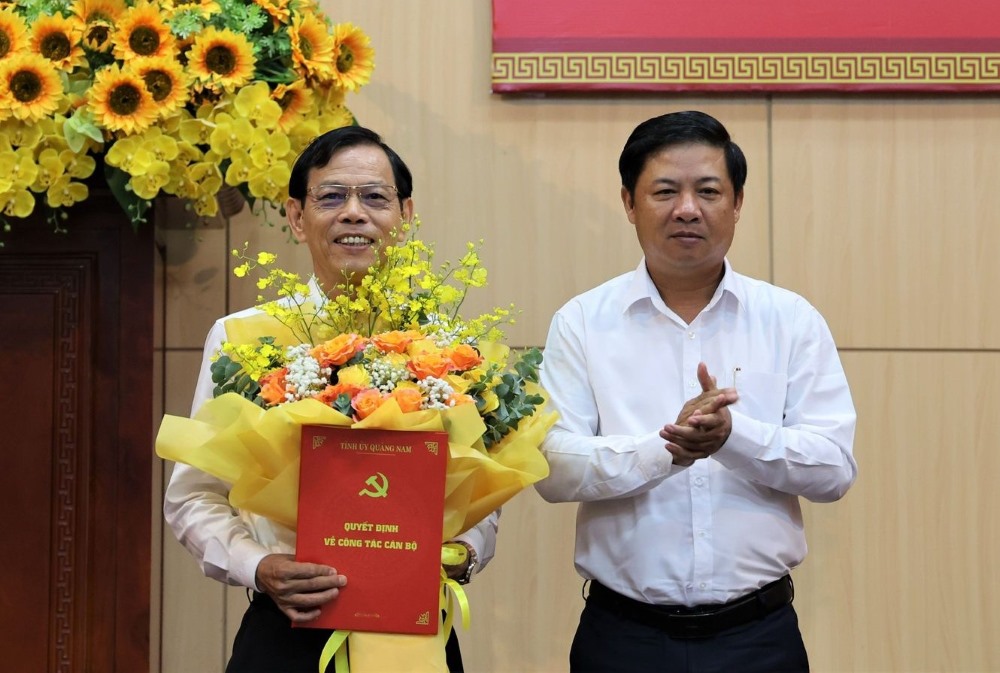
<point x="335" y="649"/>
<point x="453" y="554"/>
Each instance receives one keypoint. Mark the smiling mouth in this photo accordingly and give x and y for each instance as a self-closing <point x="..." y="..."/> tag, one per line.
<point x="354" y="241"/>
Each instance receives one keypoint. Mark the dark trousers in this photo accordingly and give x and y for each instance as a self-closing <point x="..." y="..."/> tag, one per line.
<point x="607" y="643"/>
<point x="267" y="643"/>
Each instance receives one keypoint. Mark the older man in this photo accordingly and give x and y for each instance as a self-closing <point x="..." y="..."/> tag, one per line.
<point x="349" y="192"/>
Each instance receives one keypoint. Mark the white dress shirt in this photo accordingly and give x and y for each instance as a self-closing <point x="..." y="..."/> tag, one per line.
<point x="619" y="365"/>
<point x="229" y="544"/>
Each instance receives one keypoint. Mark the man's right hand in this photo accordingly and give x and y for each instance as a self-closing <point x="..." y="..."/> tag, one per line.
<point x="701" y="415"/>
<point x="299" y="589"/>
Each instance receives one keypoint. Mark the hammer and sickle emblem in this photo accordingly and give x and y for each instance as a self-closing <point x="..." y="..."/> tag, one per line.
<point x="380" y="483"/>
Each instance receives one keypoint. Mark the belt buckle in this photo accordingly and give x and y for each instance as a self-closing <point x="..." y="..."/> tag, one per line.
<point x="691" y="626"/>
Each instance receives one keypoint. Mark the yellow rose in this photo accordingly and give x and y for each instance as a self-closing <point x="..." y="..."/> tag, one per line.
<point x="458" y="383"/>
<point x="355" y="375"/>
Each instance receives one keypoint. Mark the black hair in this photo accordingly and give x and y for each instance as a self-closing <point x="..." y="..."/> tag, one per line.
<point x="320" y="150"/>
<point x="679" y="128"/>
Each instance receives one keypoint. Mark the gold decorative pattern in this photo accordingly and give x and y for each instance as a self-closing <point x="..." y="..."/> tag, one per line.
<point x="963" y="69"/>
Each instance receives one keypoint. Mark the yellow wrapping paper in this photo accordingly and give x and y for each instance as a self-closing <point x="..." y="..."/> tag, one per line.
<point x="257" y="452"/>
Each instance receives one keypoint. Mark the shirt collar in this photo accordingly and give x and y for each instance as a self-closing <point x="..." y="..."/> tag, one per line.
<point x="641" y="287"/>
<point x="316" y="294"/>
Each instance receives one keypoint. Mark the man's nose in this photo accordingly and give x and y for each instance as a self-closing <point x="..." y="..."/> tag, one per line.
<point x="352" y="208"/>
<point x="686" y="207"/>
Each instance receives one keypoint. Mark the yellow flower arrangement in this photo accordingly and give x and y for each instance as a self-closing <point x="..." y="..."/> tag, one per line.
<point x="391" y="352"/>
<point x="176" y="97"/>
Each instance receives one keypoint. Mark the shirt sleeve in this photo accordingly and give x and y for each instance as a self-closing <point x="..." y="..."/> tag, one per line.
<point x="582" y="465"/>
<point x="196" y="505"/>
<point x="483" y="538"/>
<point x="810" y="453"/>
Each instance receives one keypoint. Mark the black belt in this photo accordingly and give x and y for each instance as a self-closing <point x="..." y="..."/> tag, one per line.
<point x="701" y="621"/>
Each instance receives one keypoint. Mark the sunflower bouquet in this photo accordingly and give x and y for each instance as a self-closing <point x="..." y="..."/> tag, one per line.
<point x="177" y="97"/>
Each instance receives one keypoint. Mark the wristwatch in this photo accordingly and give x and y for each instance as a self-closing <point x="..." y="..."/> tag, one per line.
<point x="471" y="568"/>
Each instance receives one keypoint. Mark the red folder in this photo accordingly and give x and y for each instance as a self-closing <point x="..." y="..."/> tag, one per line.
<point x="371" y="505"/>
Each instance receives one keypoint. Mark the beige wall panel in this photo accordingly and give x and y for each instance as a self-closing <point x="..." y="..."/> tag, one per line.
<point x="901" y="574"/>
<point x="192" y="621"/>
<point x="195" y="295"/>
<point x="193" y="628"/>
<point x="885" y="217"/>
<point x="526" y="604"/>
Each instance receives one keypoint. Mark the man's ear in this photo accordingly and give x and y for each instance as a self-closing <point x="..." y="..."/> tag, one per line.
<point x="738" y="207"/>
<point x="629" y="204"/>
<point x="293" y="211"/>
<point x="407" y="209"/>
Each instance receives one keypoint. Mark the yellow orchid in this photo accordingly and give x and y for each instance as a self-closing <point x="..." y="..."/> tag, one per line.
<point x="64" y="192"/>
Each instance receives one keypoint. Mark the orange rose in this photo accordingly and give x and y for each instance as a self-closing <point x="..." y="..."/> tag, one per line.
<point x="408" y="398"/>
<point x="366" y="402"/>
<point x="458" y="399"/>
<point x="396" y="341"/>
<point x="338" y="350"/>
<point x="330" y="394"/>
<point x="272" y="386"/>
<point x="464" y="357"/>
<point x="435" y="364"/>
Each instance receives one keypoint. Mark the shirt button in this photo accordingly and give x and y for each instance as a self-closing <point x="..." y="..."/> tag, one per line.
<point x="690" y="335"/>
<point x="702" y="533"/>
<point x="692" y="385"/>
<point x="702" y="585"/>
<point x="699" y="481"/>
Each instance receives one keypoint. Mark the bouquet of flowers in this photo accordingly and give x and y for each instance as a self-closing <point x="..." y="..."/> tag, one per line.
<point x="389" y="352"/>
<point x="175" y="97"/>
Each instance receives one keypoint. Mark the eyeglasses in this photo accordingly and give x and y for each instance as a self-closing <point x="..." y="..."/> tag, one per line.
<point x="372" y="197"/>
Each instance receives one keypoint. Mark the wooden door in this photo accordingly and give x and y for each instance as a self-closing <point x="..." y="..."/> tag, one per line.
<point x="76" y="344"/>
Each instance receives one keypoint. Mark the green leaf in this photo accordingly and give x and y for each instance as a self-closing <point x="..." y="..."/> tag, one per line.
<point x="343" y="404"/>
<point x="134" y="206"/>
<point x="79" y="127"/>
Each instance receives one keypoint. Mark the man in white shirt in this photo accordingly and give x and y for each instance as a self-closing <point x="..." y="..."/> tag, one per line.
<point x="348" y="192"/>
<point x="696" y="406"/>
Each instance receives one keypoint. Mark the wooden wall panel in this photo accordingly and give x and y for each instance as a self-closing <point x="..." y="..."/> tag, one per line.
<point x="76" y="334"/>
<point x="885" y="216"/>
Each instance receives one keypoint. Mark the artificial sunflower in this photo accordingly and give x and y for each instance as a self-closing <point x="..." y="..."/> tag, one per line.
<point x="313" y="49"/>
<point x="165" y="80"/>
<point x="203" y="8"/>
<point x="97" y="36"/>
<point x="295" y="101"/>
<point x="91" y="11"/>
<point x="142" y="32"/>
<point x="13" y="33"/>
<point x="355" y="57"/>
<point x="278" y="9"/>
<point x="57" y="38"/>
<point x="30" y="88"/>
<point x="221" y="59"/>
<point x="120" y="101"/>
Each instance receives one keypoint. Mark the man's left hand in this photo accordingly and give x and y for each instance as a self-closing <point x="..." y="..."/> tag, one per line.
<point x="706" y="429"/>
